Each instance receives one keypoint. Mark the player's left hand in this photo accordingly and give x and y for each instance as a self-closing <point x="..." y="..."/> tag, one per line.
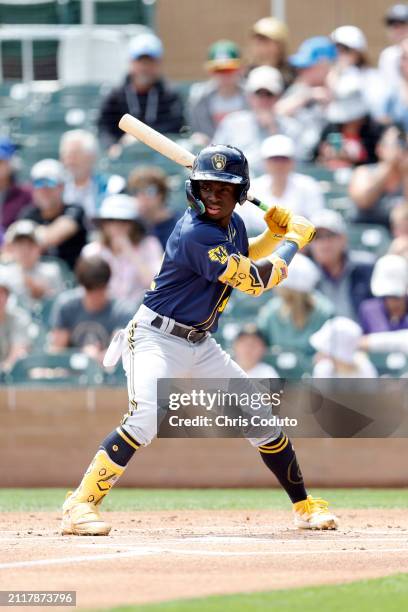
<point x="277" y="219"/>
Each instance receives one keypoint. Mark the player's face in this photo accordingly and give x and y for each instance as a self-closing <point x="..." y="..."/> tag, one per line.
<point x="219" y="200"/>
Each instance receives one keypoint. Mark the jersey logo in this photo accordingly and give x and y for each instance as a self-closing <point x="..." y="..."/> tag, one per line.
<point x="219" y="161"/>
<point x="219" y="254"/>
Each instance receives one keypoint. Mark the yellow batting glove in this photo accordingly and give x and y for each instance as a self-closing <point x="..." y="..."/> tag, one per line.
<point x="300" y="231"/>
<point x="277" y="219"/>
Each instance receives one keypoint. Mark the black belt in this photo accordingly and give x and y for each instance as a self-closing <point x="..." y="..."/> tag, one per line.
<point x="188" y="333"/>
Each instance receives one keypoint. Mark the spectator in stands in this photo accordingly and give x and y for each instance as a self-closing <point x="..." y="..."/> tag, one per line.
<point x="133" y="257"/>
<point x="247" y="129"/>
<point x="399" y="246"/>
<point x="345" y="275"/>
<point x="377" y="188"/>
<point x="62" y="233"/>
<point x="149" y="185"/>
<point x="86" y="317"/>
<point x="351" y="136"/>
<point x="144" y="94"/>
<point x="14" y="327"/>
<point x="13" y="197"/>
<point x="396" y="21"/>
<point x="305" y="100"/>
<point x="338" y="354"/>
<point x="395" y="104"/>
<point x="352" y="64"/>
<point x="249" y="350"/>
<point x="297" y="311"/>
<point x="32" y="280"/>
<point x="269" y="41"/>
<point x="84" y="186"/>
<point x="209" y="102"/>
<point x="280" y="185"/>
<point x="388" y="310"/>
<point x="399" y="220"/>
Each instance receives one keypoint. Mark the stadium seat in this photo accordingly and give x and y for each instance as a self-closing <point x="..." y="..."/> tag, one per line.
<point x="370" y="238"/>
<point x="29" y="12"/>
<point x="110" y="12"/>
<point x="390" y="365"/>
<point x="69" y="368"/>
<point x="289" y="364"/>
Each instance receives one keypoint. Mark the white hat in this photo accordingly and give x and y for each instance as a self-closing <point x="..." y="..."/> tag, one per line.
<point x="351" y="37"/>
<point x="390" y="276"/>
<point x="337" y="338"/>
<point x="48" y="169"/>
<point x="348" y="104"/>
<point x="145" y="44"/>
<point x="120" y="207"/>
<point x="278" y="146"/>
<point x="265" y="77"/>
<point x="329" y="220"/>
<point x="303" y="275"/>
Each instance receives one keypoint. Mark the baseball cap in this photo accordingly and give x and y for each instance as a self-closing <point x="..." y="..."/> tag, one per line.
<point x="265" y="77"/>
<point x="278" y="146"/>
<point x="398" y="13"/>
<point x="338" y="338"/>
<point x="272" y="28"/>
<point x="223" y="55"/>
<point x="120" y="207"/>
<point x="350" y="36"/>
<point x="390" y="276"/>
<point x="312" y="51"/>
<point x="7" y="148"/>
<point x="25" y="228"/>
<point x="347" y="106"/>
<point x="47" y="173"/>
<point x="145" y="44"/>
<point x="304" y="275"/>
<point x="329" y="220"/>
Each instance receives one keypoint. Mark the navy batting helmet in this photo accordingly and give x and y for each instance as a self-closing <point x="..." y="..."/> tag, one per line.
<point x="218" y="163"/>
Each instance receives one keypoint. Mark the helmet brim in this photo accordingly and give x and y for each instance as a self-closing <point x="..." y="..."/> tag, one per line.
<point x="222" y="177"/>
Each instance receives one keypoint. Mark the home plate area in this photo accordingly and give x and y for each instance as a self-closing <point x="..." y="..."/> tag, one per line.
<point x="156" y="556"/>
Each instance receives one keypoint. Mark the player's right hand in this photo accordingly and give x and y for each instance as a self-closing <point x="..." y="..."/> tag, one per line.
<point x="277" y="219"/>
<point x="300" y="231"/>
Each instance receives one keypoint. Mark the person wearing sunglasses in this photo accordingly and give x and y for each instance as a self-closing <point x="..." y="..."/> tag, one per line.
<point x="247" y="129"/>
<point x="396" y="23"/>
<point x="62" y="231"/>
<point x="304" y="102"/>
<point x="212" y="100"/>
<point x="352" y="69"/>
<point x="281" y="184"/>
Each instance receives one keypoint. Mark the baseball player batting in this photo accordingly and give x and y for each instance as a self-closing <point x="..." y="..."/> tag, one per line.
<point x="207" y="256"/>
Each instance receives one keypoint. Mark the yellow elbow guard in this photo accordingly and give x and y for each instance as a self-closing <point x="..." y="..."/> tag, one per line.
<point x="261" y="246"/>
<point x="243" y="275"/>
<point x="279" y="271"/>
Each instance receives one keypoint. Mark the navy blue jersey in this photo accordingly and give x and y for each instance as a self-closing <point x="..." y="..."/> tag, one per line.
<point x="187" y="288"/>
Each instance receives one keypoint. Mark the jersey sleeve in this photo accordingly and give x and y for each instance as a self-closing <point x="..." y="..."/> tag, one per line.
<point x="206" y="252"/>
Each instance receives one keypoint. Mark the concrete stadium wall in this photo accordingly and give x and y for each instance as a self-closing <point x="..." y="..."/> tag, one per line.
<point x="48" y="437"/>
<point x="188" y="27"/>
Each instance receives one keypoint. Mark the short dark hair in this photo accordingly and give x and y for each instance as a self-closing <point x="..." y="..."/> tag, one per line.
<point x="92" y="272"/>
<point x="250" y="329"/>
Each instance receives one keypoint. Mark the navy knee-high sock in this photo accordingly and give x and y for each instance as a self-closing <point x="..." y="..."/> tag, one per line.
<point x="280" y="458"/>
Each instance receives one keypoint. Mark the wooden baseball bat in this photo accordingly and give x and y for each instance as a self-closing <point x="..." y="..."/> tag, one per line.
<point x="167" y="147"/>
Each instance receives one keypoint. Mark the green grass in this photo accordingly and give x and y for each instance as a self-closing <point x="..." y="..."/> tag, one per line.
<point x="203" y="499"/>
<point x="383" y="595"/>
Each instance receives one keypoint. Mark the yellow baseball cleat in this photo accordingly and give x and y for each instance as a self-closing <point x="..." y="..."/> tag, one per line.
<point x="82" y="518"/>
<point x="313" y="513"/>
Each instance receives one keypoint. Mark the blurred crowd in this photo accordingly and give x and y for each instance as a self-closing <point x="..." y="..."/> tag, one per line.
<point x="79" y="247"/>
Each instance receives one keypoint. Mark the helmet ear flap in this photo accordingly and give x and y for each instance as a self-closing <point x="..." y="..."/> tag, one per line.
<point x="194" y="202"/>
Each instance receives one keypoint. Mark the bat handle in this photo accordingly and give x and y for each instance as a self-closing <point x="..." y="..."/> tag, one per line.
<point x="257" y="202"/>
